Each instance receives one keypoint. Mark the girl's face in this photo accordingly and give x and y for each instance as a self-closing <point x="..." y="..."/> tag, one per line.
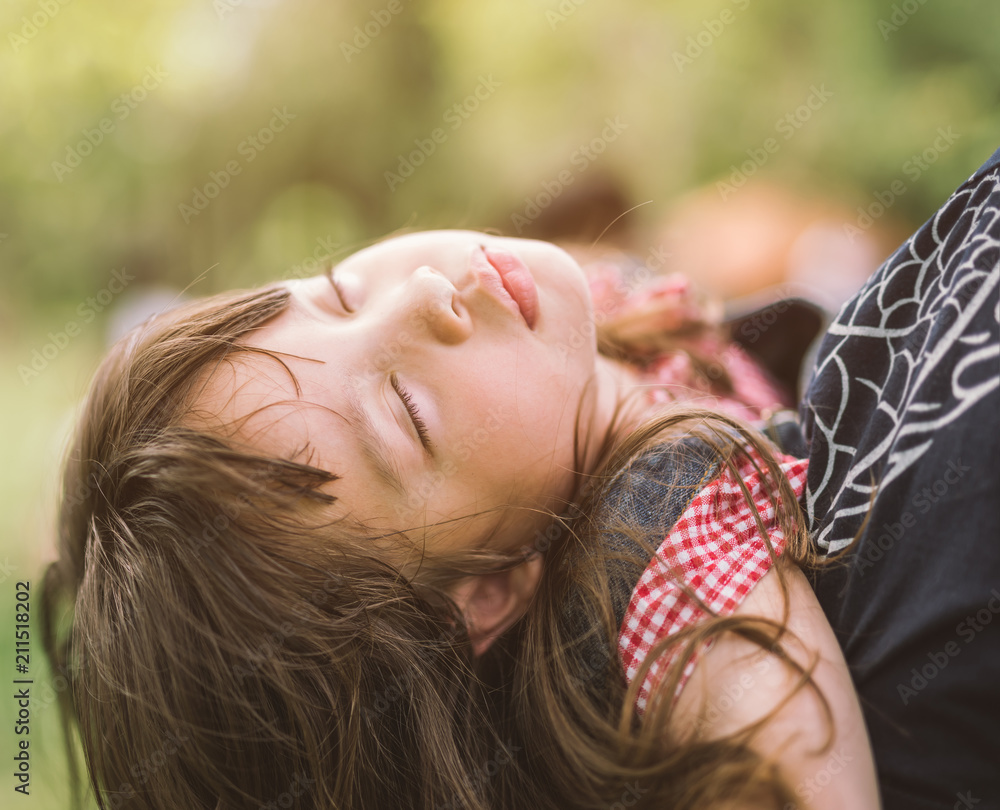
<point x="496" y="399"/>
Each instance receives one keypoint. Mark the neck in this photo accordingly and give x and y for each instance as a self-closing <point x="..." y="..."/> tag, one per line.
<point x="614" y="382"/>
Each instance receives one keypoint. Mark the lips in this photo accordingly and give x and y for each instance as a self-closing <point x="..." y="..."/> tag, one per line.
<point x="516" y="286"/>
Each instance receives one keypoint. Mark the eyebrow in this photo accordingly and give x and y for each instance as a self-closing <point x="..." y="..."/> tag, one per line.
<point x="379" y="453"/>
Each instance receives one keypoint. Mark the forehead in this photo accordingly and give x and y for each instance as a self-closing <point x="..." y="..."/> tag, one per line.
<point x="255" y="396"/>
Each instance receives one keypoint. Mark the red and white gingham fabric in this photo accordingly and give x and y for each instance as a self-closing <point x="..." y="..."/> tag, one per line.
<point x="716" y="549"/>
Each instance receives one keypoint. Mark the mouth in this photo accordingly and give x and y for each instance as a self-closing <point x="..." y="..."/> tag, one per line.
<point x="516" y="283"/>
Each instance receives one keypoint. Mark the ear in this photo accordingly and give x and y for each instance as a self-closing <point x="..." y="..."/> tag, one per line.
<point x="492" y="603"/>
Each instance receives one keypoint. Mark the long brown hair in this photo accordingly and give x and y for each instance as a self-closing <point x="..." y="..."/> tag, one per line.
<point x="228" y="645"/>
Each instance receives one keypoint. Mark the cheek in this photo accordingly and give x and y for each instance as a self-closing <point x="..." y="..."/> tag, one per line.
<point x="519" y="405"/>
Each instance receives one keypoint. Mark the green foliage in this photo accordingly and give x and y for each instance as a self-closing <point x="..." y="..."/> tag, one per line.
<point x="696" y="84"/>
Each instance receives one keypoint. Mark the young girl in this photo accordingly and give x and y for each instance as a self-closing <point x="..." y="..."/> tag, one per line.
<point x="401" y="536"/>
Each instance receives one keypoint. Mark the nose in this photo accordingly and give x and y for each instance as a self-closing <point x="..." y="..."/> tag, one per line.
<point x="432" y="301"/>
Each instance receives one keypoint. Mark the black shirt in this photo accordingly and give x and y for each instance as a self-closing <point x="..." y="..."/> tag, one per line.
<point x="902" y="420"/>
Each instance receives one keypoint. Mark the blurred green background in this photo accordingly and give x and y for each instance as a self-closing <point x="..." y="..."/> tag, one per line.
<point x="157" y="140"/>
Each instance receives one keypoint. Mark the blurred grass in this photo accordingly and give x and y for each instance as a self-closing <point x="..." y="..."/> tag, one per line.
<point x="563" y="68"/>
<point x="35" y="419"/>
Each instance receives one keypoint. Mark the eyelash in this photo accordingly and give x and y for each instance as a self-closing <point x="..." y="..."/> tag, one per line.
<point x="412" y="410"/>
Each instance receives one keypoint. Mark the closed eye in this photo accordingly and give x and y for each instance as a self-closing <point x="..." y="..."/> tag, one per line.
<point x="411" y="408"/>
<point x="336" y="288"/>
